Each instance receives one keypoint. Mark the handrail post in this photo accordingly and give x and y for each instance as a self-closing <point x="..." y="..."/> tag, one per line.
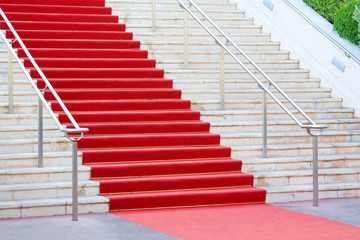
<point x="186" y="39"/>
<point x="315" y="171"/>
<point x="75" y="209"/>
<point x="222" y="78"/>
<point x="11" y="81"/>
<point x="153" y="15"/>
<point x="40" y="134"/>
<point x="264" y="125"/>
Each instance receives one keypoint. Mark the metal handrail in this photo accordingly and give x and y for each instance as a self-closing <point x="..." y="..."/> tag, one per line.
<point x="42" y="101"/>
<point x="347" y="52"/>
<point x="311" y="125"/>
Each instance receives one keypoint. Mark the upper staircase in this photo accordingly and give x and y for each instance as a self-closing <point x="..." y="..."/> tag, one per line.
<point x="287" y="172"/>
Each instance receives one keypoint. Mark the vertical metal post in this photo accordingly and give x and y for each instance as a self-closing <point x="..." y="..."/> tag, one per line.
<point x="74" y="180"/>
<point x="40" y="134"/>
<point x="153" y="15"/>
<point x="11" y="82"/>
<point x="186" y="39"/>
<point x="315" y="171"/>
<point x="222" y="79"/>
<point x="264" y="126"/>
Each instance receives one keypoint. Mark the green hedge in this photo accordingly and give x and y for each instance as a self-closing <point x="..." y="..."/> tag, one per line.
<point x="356" y="17"/>
<point x="340" y="13"/>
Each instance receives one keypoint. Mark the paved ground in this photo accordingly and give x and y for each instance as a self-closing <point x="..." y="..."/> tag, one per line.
<point x="111" y="227"/>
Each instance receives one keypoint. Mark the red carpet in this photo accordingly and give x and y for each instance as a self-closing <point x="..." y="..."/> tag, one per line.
<point x="250" y="222"/>
<point x="146" y="147"/>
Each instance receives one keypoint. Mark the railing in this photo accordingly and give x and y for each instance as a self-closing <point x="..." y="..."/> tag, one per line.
<point x="310" y="126"/>
<point x="12" y="54"/>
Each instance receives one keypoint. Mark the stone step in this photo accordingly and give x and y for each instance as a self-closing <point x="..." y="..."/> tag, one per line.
<point x="294" y="150"/>
<point x="202" y="94"/>
<point x="233" y="74"/>
<point x="305" y="177"/>
<point x="19" y="85"/>
<point x="38" y="175"/>
<point x="211" y="47"/>
<point x="17" y="74"/>
<point x="248" y="104"/>
<point x="25" y="132"/>
<point x="20" y="108"/>
<point x="220" y="21"/>
<point x="300" y="163"/>
<point x="244" y="83"/>
<point x="19" y="96"/>
<point x="31" y="145"/>
<point x="4" y="62"/>
<point x="22" y="119"/>
<point x="304" y="192"/>
<point x="269" y="64"/>
<point x="168" y="5"/>
<point x="299" y="137"/>
<point x="280" y="125"/>
<point x="256" y="115"/>
<point x="43" y="190"/>
<point x="164" y="55"/>
<point x="52" y="207"/>
<point x="179" y="28"/>
<point x="28" y="160"/>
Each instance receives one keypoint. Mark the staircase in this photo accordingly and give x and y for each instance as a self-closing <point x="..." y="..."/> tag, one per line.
<point x="286" y="174"/>
<point x="146" y="148"/>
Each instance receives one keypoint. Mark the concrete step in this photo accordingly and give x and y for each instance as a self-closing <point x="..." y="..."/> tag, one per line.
<point x="52" y="207"/>
<point x="19" y="85"/>
<point x="294" y="150"/>
<point x="23" y="119"/>
<point x="17" y="74"/>
<point x="231" y="94"/>
<point x="30" y="145"/>
<point x="19" y="96"/>
<point x="280" y="125"/>
<point x="38" y="175"/>
<point x="300" y="163"/>
<point x="298" y="137"/>
<point x="248" y="104"/>
<point x="269" y="64"/>
<point x="244" y="83"/>
<point x="28" y="160"/>
<point x="211" y="46"/>
<point x="26" y="132"/>
<point x="256" y="115"/>
<point x="233" y="74"/>
<point x="304" y="192"/>
<point x="164" y="55"/>
<point x="44" y="190"/>
<point x="20" y="108"/>
<point x="179" y="28"/>
<point x="304" y="177"/>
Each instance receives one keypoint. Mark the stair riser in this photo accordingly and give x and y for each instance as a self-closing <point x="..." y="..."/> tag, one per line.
<point x="167" y="29"/>
<point x="25" y="147"/>
<point x="250" y="84"/>
<point x="42" y="177"/>
<point x="258" y="106"/>
<point x="26" y="161"/>
<point x="23" y="121"/>
<point x="228" y="65"/>
<point x="306" y="195"/>
<point x="209" y="56"/>
<point x="251" y="140"/>
<point x="125" y="14"/>
<point x="239" y="95"/>
<point x="180" y="21"/>
<point x="306" y="179"/>
<point x="23" y="134"/>
<point x="174" y="46"/>
<point x="31" y="97"/>
<point x="232" y="75"/>
<point x="51" y="192"/>
<point x="294" y="152"/>
<point x="20" y="109"/>
<point x="167" y="6"/>
<point x="16" y="87"/>
<point x="17" y="75"/>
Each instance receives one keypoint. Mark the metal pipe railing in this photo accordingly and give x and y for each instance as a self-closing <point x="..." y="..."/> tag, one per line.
<point x="311" y="125"/>
<point x="42" y="101"/>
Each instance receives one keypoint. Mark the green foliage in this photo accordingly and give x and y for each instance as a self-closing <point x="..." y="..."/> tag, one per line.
<point x="326" y="8"/>
<point x="344" y="23"/>
<point x="356" y="17"/>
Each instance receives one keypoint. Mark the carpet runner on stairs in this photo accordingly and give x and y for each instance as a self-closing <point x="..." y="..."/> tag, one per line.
<point x="146" y="147"/>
